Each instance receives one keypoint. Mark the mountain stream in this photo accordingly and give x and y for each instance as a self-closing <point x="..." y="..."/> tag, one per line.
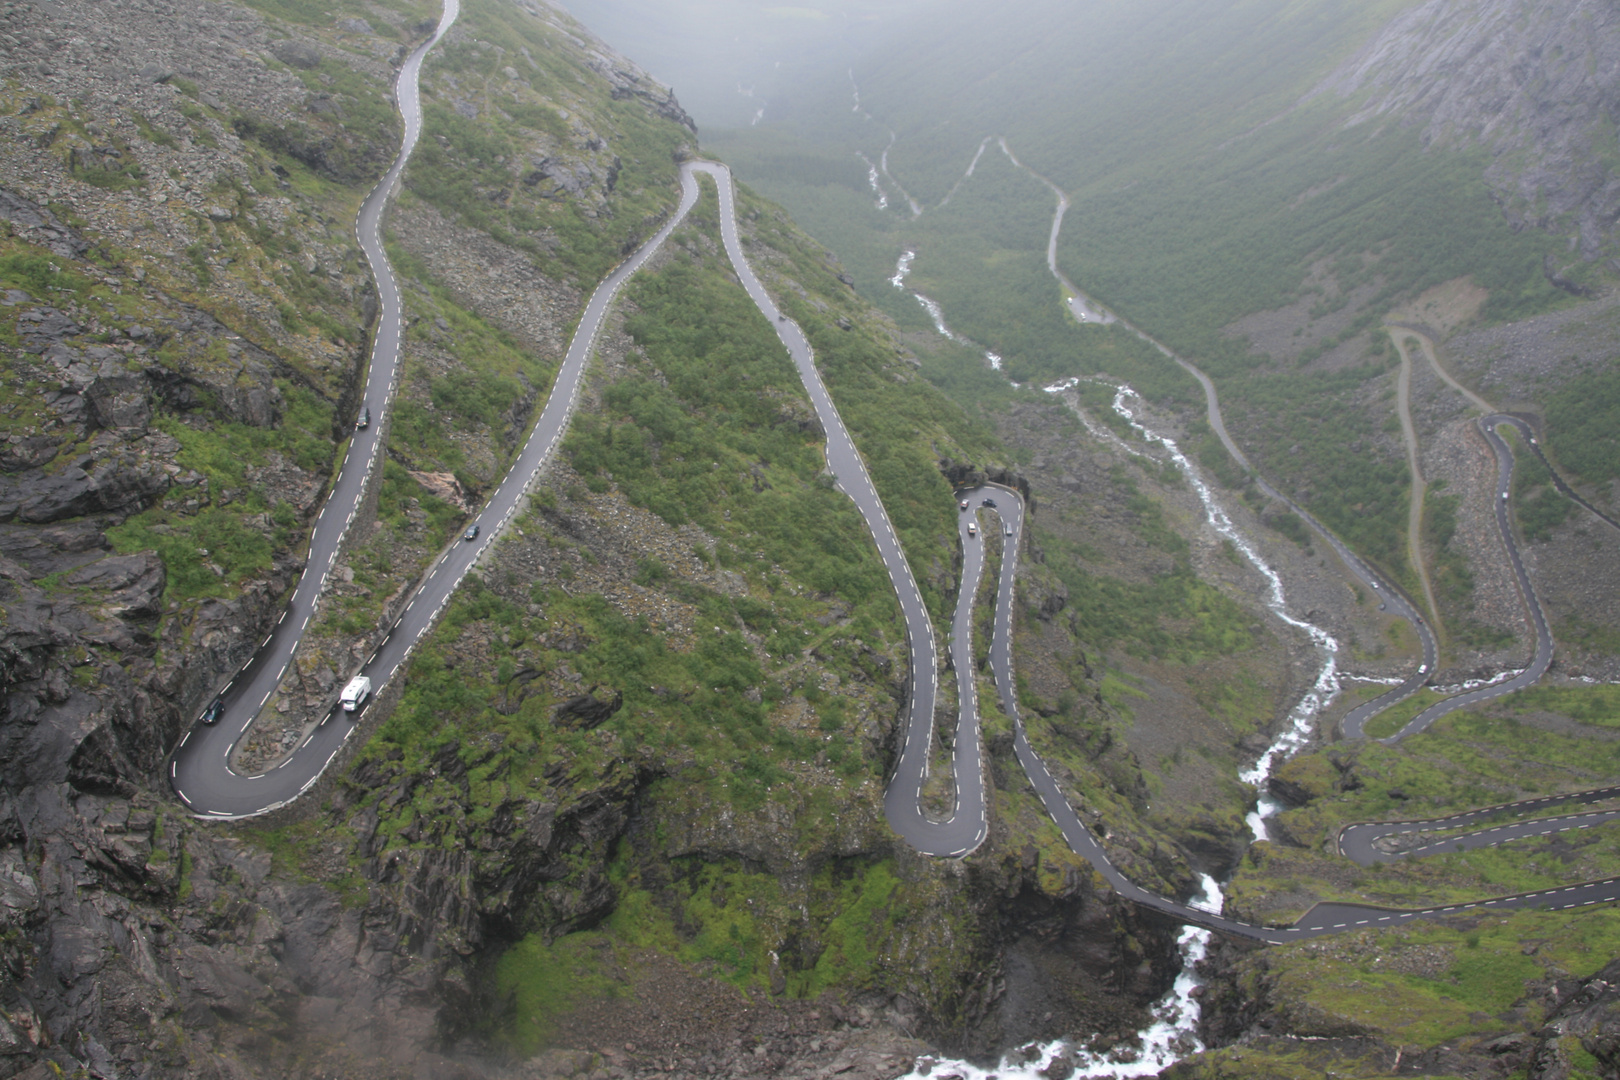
<point x="1173" y="1031"/>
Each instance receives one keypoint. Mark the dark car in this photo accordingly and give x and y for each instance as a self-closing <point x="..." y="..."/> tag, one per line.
<point x="471" y="533"/>
<point x="991" y="503"/>
<point x="365" y="418"/>
<point x="215" y="710"/>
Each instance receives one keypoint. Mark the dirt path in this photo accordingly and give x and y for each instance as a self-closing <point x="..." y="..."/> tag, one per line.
<point x="1434" y="362"/>
<point x="1414" y="515"/>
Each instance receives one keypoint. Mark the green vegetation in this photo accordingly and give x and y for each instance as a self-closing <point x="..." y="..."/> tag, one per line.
<point x="322" y="14"/>
<point x="37" y="273"/>
<point x="492" y="175"/>
<point x="902" y="425"/>
<point x="539" y="980"/>
<point x="1467" y="760"/>
<point x="1450" y="574"/>
<point x="207" y="552"/>
<point x="1311" y="439"/>
<point x="1425" y="983"/>
<point x="1205" y="186"/>
<point x="1173" y="616"/>
<point x="1583" y="419"/>
<point x="1596" y="705"/>
<point x="704" y="431"/>
<point x="1538" y="506"/>
<point x="1241" y="702"/>
<point x="1399" y="715"/>
<point x="483" y="401"/>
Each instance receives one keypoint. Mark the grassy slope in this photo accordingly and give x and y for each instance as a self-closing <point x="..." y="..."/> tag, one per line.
<point x="1201" y="193"/>
<point x="755" y="727"/>
<point x="1187" y="215"/>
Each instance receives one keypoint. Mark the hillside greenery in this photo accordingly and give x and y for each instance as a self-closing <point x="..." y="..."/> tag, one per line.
<point x="1204" y="188"/>
<point x="1583" y="419"/>
<point x="765" y="708"/>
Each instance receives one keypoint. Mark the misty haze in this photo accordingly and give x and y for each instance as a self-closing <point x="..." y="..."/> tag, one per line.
<point x="715" y="539"/>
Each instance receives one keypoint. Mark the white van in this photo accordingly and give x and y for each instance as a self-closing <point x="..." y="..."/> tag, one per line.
<point x="356" y="693"/>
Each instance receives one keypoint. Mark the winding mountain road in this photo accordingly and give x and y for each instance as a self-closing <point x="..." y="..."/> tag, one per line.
<point x="1322" y="919"/>
<point x="1527" y="593"/>
<point x="1370" y="842"/>
<point x="969" y="824"/>
<point x="201" y="771"/>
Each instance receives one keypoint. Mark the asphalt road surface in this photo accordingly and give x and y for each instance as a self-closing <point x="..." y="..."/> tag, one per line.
<point x="1358" y="841"/>
<point x="1544" y="642"/>
<point x="1370" y="842"/>
<point x="969" y="824"/>
<point x="200" y="769"/>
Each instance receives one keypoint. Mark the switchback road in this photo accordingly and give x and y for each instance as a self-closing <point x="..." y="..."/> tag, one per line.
<point x="200" y="769"/>
<point x="1538" y="619"/>
<point x="969" y="824"/>
<point x="1356" y="841"/>
<point x="1371" y="842"/>
<point x="201" y="766"/>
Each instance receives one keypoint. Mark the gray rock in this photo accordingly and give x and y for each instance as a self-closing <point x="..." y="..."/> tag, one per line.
<point x="19" y="894"/>
<point x="295" y="53"/>
<point x="136" y="582"/>
<point x="27" y="452"/>
<point x="323" y="105"/>
<point x="226" y="988"/>
<point x="1533" y="82"/>
<point x="156" y="73"/>
<point x="38" y="225"/>
<point x="113" y="487"/>
<point x="76" y="951"/>
<point x="122" y="403"/>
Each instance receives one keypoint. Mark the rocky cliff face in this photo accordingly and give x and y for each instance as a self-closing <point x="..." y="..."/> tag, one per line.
<point x="181" y="331"/>
<point x="1537" y="81"/>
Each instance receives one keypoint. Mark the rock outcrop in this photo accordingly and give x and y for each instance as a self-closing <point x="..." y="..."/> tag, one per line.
<point x="1538" y="82"/>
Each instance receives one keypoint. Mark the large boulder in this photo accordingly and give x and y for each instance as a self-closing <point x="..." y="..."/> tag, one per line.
<point x="122" y="403"/>
<point x="136" y="583"/>
<point x="110" y="487"/>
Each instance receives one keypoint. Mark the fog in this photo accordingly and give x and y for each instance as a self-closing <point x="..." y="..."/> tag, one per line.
<point x="729" y="59"/>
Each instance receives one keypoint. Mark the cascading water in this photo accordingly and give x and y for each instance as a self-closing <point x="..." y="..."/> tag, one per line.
<point x="1170" y="1036"/>
<point x="874" y="182"/>
<point x="1302" y="717"/>
<point x="901" y="269"/>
